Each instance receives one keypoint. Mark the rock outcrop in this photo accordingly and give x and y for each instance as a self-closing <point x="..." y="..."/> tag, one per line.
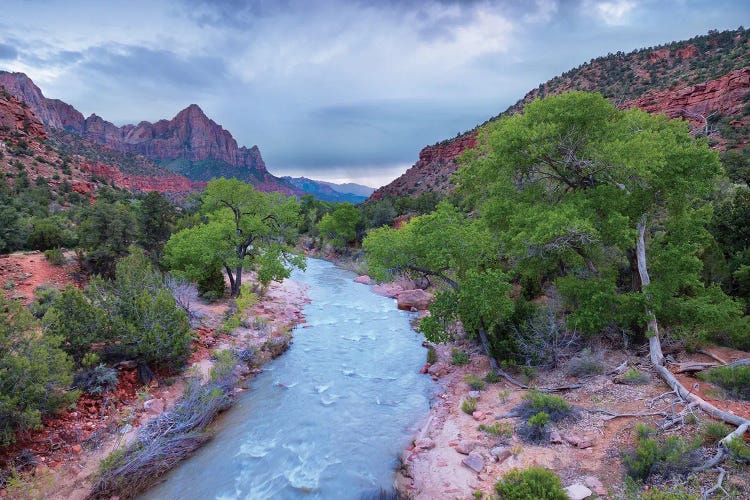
<point x="190" y="142"/>
<point x="17" y="119"/>
<point x="433" y="170"/>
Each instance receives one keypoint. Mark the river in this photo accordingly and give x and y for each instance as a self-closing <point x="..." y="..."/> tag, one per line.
<point x="327" y="419"/>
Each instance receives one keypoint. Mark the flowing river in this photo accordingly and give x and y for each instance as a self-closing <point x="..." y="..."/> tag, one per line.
<point x="329" y="417"/>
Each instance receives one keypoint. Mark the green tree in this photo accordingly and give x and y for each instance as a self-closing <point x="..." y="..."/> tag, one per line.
<point x="34" y="372"/>
<point x="107" y="230"/>
<point x="340" y="226"/>
<point x="156" y="220"/>
<point x="246" y="229"/>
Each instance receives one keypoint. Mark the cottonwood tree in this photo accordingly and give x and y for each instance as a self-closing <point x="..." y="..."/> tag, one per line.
<point x="244" y="229"/>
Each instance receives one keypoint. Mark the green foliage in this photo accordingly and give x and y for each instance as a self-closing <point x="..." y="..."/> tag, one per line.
<point x="35" y="372"/>
<point x="145" y="319"/>
<point x="225" y="361"/>
<point x="43" y="297"/>
<point x="49" y="233"/>
<point x="738" y="449"/>
<point x="106" y="232"/>
<point x="72" y="318"/>
<point x="340" y="226"/>
<point x="492" y="377"/>
<point x="675" y="493"/>
<point x="733" y="379"/>
<point x="459" y="357"/>
<point x="713" y="432"/>
<point x="211" y="285"/>
<point x="668" y="456"/>
<point x="156" y="218"/>
<point x="534" y="483"/>
<point x="555" y="407"/>
<point x="246" y="229"/>
<point x="475" y="383"/>
<point x="635" y="377"/>
<point x="469" y="405"/>
<point x="500" y="429"/>
<point x="55" y="256"/>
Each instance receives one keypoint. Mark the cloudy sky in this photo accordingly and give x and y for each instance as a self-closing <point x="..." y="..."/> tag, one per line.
<point x="329" y="89"/>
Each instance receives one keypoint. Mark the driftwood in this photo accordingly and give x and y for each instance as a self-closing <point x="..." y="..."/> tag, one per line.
<point x="692" y="367"/>
<point x="609" y="415"/>
<point x="712" y="356"/>
<point x="657" y="359"/>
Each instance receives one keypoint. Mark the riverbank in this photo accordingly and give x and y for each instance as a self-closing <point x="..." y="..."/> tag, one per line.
<point x="88" y="433"/>
<point x="451" y="456"/>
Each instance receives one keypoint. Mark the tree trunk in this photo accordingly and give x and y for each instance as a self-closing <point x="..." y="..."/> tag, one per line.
<point x="486" y="347"/>
<point x="231" y="280"/>
<point x="237" y="285"/>
<point x="657" y="357"/>
<point x="635" y="278"/>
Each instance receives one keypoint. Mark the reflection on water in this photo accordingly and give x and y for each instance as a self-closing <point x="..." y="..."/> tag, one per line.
<point x="328" y="418"/>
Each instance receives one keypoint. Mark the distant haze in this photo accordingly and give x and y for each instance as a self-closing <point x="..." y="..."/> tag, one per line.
<point x="339" y="90"/>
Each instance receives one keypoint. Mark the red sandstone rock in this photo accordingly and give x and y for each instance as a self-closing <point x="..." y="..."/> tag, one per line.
<point x="416" y="299"/>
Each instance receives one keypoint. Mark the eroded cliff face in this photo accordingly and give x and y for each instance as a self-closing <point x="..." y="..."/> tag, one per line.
<point x="433" y="170"/>
<point x="190" y="138"/>
<point x="723" y="96"/>
<point x="18" y="120"/>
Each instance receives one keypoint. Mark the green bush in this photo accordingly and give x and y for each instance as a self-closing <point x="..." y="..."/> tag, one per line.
<point x="469" y="405"/>
<point x="492" y="377"/>
<point x="34" y="372"/>
<point x="476" y="383"/>
<point x="555" y="407"/>
<point x="500" y="429"/>
<point x="43" y="297"/>
<point x="713" y="432"/>
<point x="212" y="287"/>
<point x="459" y="357"/>
<point x="535" y="429"/>
<point x="739" y="450"/>
<point x="55" y="256"/>
<point x="534" y="483"/>
<point x="77" y="322"/>
<point x="634" y="377"/>
<point x="669" y="456"/>
<point x="734" y="379"/>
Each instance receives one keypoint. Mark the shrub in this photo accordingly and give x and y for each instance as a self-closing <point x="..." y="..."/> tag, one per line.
<point x="713" y="432"/>
<point x="534" y="483"/>
<point x="669" y="456"/>
<point x="55" y="256"/>
<point x="535" y="430"/>
<point x="212" y="286"/>
<point x="469" y="405"/>
<point x="98" y="380"/>
<point x="492" y="377"/>
<point x="675" y="493"/>
<point x="585" y="364"/>
<point x="44" y="295"/>
<point x="555" y="407"/>
<point x="79" y="323"/>
<point x="734" y="379"/>
<point x="500" y="429"/>
<point x="476" y="383"/>
<point x="34" y="372"/>
<point x="459" y="357"/>
<point x="634" y="377"/>
<point x="738" y="449"/>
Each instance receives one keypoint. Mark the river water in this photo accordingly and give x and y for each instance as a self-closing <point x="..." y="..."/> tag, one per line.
<point x="329" y="417"/>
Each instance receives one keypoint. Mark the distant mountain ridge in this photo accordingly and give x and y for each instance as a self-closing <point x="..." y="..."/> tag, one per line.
<point x="705" y="80"/>
<point x="190" y="144"/>
<point x="329" y="191"/>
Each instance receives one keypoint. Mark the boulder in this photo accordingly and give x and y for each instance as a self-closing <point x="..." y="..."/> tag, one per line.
<point x="466" y="447"/>
<point x="502" y="453"/>
<point x="475" y="394"/>
<point x="554" y="437"/>
<point x="475" y="462"/>
<point x="578" y="491"/>
<point x="417" y="299"/>
<point x="596" y="485"/>
<point x="478" y="415"/>
<point x="439" y="369"/>
<point x="364" y="279"/>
